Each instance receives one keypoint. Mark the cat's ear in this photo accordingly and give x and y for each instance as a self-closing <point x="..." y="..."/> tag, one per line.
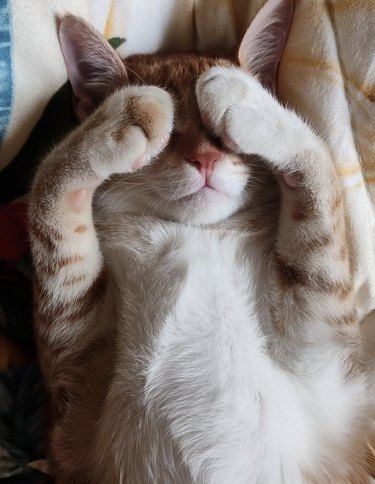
<point x="264" y="41"/>
<point x="94" y="68"/>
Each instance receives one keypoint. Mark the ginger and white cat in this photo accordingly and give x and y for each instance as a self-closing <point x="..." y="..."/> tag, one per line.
<point x="194" y="310"/>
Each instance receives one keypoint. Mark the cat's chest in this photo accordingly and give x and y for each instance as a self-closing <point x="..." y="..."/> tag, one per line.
<point x="194" y="276"/>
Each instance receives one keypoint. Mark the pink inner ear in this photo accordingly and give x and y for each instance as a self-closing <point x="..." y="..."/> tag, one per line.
<point x="69" y="46"/>
<point x="263" y="44"/>
<point x="94" y="69"/>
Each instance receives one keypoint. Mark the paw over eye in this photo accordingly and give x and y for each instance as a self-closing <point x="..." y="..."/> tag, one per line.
<point x="223" y="142"/>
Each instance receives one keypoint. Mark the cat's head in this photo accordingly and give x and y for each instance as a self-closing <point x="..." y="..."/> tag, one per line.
<point x="196" y="179"/>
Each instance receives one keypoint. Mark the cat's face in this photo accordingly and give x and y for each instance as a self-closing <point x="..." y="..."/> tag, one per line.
<point x="195" y="179"/>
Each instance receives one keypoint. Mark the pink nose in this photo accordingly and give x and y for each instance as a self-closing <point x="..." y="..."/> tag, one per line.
<point x="204" y="160"/>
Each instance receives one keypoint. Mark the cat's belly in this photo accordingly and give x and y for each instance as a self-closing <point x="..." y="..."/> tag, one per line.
<point x="190" y="327"/>
<point x="205" y="400"/>
<point x="199" y="376"/>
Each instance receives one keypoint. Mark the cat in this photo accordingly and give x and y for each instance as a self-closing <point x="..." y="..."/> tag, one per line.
<point x="194" y="305"/>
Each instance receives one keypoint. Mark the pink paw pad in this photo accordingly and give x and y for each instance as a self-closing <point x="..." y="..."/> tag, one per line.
<point x="139" y="163"/>
<point x="78" y="198"/>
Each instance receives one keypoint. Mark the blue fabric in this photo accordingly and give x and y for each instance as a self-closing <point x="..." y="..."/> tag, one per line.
<point x="6" y="76"/>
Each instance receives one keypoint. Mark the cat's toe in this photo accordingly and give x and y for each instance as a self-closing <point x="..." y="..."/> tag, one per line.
<point x="152" y="110"/>
<point x="217" y="90"/>
<point x="137" y="121"/>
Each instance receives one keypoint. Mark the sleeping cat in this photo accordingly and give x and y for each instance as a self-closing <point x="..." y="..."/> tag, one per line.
<point x="193" y="286"/>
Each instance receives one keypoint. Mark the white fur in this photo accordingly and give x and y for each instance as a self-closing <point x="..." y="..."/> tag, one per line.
<point x="231" y="412"/>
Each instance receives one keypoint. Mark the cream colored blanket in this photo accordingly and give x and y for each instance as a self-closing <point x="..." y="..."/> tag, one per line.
<point x="327" y="74"/>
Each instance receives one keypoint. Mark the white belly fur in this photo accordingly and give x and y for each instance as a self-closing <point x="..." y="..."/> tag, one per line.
<point x="232" y="414"/>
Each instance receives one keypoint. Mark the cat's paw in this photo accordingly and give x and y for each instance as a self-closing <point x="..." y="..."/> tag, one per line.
<point x="135" y="125"/>
<point x="235" y="107"/>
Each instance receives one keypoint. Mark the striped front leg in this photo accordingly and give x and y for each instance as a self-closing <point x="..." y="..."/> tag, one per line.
<point x="122" y="135"/>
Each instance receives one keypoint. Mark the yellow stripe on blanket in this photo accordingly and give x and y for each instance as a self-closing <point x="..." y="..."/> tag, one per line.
<point x="345" y="5"/>
<point x="354" y="170"/>
<point x="109" y="22"/>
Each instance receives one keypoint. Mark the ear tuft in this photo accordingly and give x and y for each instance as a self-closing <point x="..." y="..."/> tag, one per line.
<point x="263" y="44"/>
<point x="94" y="68"/>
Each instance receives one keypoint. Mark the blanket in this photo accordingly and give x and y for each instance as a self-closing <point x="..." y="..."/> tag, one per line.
<point x="327" y="74"/>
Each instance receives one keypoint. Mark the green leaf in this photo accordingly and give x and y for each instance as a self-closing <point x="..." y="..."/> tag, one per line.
<point x="115" y="42"/>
